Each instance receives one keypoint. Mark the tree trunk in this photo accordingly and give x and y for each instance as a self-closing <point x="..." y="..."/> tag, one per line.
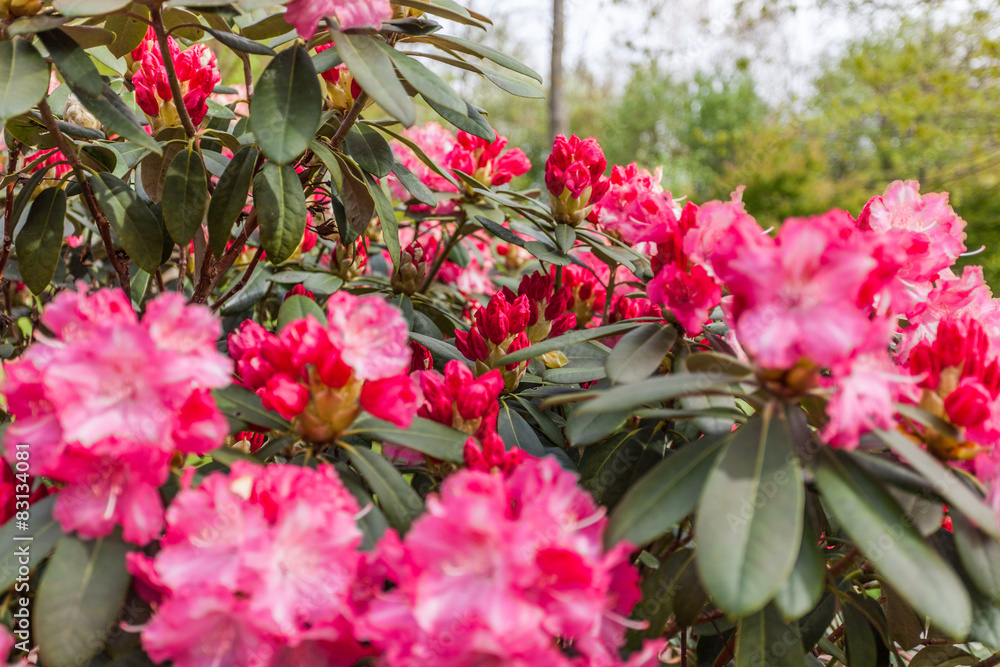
<point x="558" y="119"/>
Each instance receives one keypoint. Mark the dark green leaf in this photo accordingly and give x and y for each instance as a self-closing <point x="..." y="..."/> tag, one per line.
<point x="42" y="534"/>
<point x="659" y="588"/>
<point x="424" y="81"/>
<point x="129" y="31"/>
<point x="905" y="627"/>
<point x="326" y="60"/>
<point x="39" y="243"/>
<point x="281" y="210"/>
<point x="880" y="528"/>
<point x="804" y="586"/>
<point x="861" y="644"/>
<point x="387" y="219"/>
<point x="942" y="656"/>
<point x="665" y="495"/>
<point x="439" y="348"/>
<point x="639" y="353"/>
<point x="116" y="117"/>
<point x="373" y="70"/>
<point x="450" y="11"/>
<point x="414" y="185"/>
<point x="749" y="521"/>
<point x="716" y="364"/>
<point x="273" y="25"/>
<point x="399" y="502"/>
<point x="88" y="36"/>
<point x="946" y="483"/>
<point x="567" y="339"/>
<point x="297" y="307"/>
<point x="544" y="421"/>
<point x="606" y="469"/>
<point x="446" y="174"/>
<point x="654" y="391"/>
<point x="574" y="374"/>
<point x="230" y="197"/>
<point x="764" y="639"/>
<point x="979" y="553"/>
<point x="287" y="105"/>
<point x="516" y="432"/>
<point x="369" y="150"/>
<point x="590" y="428"/>
<point x="238" y="43"/>
<point x="72" y="61"/>
<point x="358" y="200"/>
<point x="79" y="599"/>
<point x="372" y="522"/>
<point x="137" y="228"/>
<point x="23" y="197"/>
<point x="500" y="231"/>
<point x="425" y="436"/>
<point x="242" y="405"/>
<point x="483" y="51"/>
<point x="24" y="78"/>
<point x="186" y="192"/>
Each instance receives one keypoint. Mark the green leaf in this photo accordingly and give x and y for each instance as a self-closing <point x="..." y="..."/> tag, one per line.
<point x="804" y="586"/>
<point x="281" y="210"/>
<point x="654" y="391"/>
<point x="129" y="31"/>
<point x="516" y="432"/>
<point x="639" y="353"/>
<point x="272" y="25"/>
<point x="718" y="364"/>
<point x="425" y="436"/>
<point x="878" y="525"/>
<point x="567" y="339"/>
<point x="590" y="428"/>
<point x="24" y="78"/>
<point x="424" y="81"/>
<point x="979" y="553"/>
<point x="574" y="374"/>
<point x="414" y="185"/>
<point x="764" y="639"/>
<point x="72" y="61"/>
<point x="116" y="117"/>
<point x="287" y="106"/>
<point x="942" y="656"/>
<point x="242" y="405"/>
<point x="470" y="120"/>
<point x="399" y="502"/>
<point x="446" y="174"/>
<point x="749" y="521"/>
<point x="230" y="197"/>
<point x="439" y="348"/>
<point x="946" y="483"/>
<point x="606" y="469"/>
<point x="372" y="522"/>
<point x="298" y="307"/>
<point x="358" y="201"/>
<point x="186" y="192"/>
<point x="483" y="51"/>
<point x="238" y="43"/>
<point x="387" y="219"/>
<point x="372" y="69"/>
<point x="665" y="495"/>
<point x="326" y="60"/>
<point x="79" y="599"/>
<point x="860" y="642"/>
<point x="88" y="7"/>
<point x="39" y="243"/>
<point x="369" y="150"/>
<point x="451" y="11"/>
<point x="137" y="228"/>
<point x="42" y="535"/>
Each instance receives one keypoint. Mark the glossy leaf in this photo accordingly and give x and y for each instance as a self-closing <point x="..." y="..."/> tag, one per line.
<point x="979" y="553"/>
<point x="287" y="105"/>
<point x="749" y="521"/>
<point x="516" y="432"/>
<point x="567" y="339"/>
<point x="281" y="210"/>
<point x="185" y="191"/>
<point x="425" y="82"/>
<point x="230" y="197"/>
<point x="297" y="307"/>
<point x="587" y="429"/>
<point x="399" y="502"/>
<point x="358" y="201"/>
<point x="39" y="243"/>
<point x="653" y="391"/>
<point x="43" y="533"/>
<point x="763" y="638"/>
<point x="24" y="78"/>
<point x="242" y="405"/>
<point x="877" y="525"/>
<point x="239" y="43"/>
<point x="79" y="599"/>
<point x="665" y="495"/>
<point x="414" y="185"/>
<point x="137" y="228"/>
<point x="373" y="70"/>
<point x="425" y="436"/>
<point x="116" y="117"/>
<point x="804" y="587"/>
<point x="638" y="354"/>
<point x="387" y="219"/>
<point x="88" y="7"/>
<point x="72" y="61"/>
<point x="369" y="150"/>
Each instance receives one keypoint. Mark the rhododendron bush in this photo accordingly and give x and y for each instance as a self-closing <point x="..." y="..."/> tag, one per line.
<point x="291" y="379"/>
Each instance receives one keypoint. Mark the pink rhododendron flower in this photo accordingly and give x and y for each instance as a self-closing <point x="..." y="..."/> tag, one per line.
<point x="690" y="296"/>
<point x="515" y="564"/>
<point x="797" y="296"/>
<point x="306" y="15"/>
<point x="257" y="567"/>
<point x="634" y="202"/>
<point x="197" y="72"/>
<point x="574" y="177"/>
<point x="436" y="142"/>
<point x="956" y="297"/>
<point x="106" y="403"/>
<point x="488" y="162"/>
<point x="371" y="335"/>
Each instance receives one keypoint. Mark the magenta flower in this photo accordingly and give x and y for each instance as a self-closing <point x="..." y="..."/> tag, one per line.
<point x="197" y="71"/>
<point x="306" y="15"/>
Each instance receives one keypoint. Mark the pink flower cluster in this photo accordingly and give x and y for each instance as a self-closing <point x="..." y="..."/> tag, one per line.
<point x="634" y="202"/>
<point x="197" y="72"/>
<point x="501" y="570"/>
<point x="258" y="567"/>
<point x="306" y="15"/>
<point x="489" y="162"/>
<point x="322" y="377"/>
<point x="107" y="400"/>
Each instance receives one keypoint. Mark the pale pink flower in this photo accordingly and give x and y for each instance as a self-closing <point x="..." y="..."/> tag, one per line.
<point x="306" y="15"/>
<point x="370" y="334"/>
<point x="953" y="296"/>
<point x="634" y="203"/>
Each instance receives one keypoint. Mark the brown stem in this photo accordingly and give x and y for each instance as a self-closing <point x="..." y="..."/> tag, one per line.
<point x="204" y="288"/>
<point x="103" y="226"/>
<point x="443" y="255"/>
<point x="610" y="294"/>
<point x="182" y="267"/>
<point x="8" y="220"/>
<point x="242" y="282"/>
<point x="844" y="563"/>
<point x="247" y="76"/>
<point x="673" y="628"/>
<point x="349" y="119"/>
<point x="728" y="652"/>
<point x="156" y="18"/>
<point x="991" y="661"/>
